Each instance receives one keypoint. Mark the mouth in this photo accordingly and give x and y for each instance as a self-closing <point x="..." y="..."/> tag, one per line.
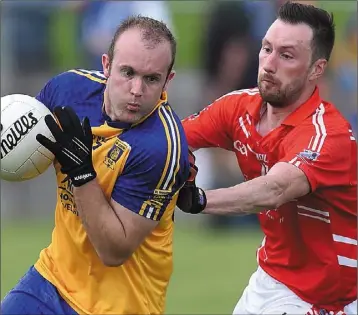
<point x="268" y="80"/>
<point x="133" y="107"/>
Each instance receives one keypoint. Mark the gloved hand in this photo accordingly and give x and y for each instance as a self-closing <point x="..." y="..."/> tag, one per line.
<point x="191" y="199"/>
<point x="73" y="146"/>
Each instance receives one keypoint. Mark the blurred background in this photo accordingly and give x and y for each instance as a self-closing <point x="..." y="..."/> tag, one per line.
<point x="218" y="44"/>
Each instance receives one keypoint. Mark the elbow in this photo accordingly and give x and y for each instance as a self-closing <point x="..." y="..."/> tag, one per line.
<point x="112" y="262"/>
<point x="113" y="259"/>
<point x="276" y="198"/>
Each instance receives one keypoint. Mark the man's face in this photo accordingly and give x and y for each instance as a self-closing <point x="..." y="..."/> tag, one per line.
<point x="284" y="63"/>
<point x="137" y="76"/>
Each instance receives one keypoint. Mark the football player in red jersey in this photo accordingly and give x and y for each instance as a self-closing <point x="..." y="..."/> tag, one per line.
<point x="298" y="157"/>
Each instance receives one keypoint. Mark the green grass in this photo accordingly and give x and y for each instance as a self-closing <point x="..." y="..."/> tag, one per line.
<point x="210" y="268"/>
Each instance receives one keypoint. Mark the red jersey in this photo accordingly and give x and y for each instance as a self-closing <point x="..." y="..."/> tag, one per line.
<point x="310" y="244"/>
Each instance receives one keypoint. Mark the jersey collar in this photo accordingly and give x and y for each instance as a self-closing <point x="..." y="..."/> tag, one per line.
<point x="254" y="108"/>
<point x="296" y="117"/>
<point x="124" y="125"/>
<point x="163" y="100"/>
<point x="304" y="110"/>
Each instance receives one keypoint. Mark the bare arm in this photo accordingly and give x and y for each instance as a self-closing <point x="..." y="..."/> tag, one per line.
<point x="114" y="231"/>
<point x="283" y="183"/>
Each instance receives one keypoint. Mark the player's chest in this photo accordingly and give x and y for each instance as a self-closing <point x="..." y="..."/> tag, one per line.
<point x="256" y="154"/>
<point x="109" y="151"/>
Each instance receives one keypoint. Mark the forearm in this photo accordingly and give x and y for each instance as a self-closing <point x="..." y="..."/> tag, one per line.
<point x="104" y="229"/>
<point x="249" y="197"/>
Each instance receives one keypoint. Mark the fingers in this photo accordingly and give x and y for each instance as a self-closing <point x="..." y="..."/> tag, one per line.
<point x="68" y="120"/>
<point x="191" y="157"/>
<point x="74" y="120"/>
<point x="193" y="168"/>
<point x="54" y="127"/>
<point x="193" y="172"/>
<point x="87" y="132"/>
<point x="62" y="118"/>
<point x="87" y="127"/>
<point x="47" y="143"/>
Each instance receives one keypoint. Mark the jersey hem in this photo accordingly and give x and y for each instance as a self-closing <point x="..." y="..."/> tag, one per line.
<point x="298" y="293"/>
<point x="42" y="269"/>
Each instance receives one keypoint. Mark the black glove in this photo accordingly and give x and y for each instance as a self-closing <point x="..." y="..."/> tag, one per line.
<point x="73" y="146"/>
<point x="191" y="199"/>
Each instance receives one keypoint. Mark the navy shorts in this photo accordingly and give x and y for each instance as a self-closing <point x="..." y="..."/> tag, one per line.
<point x="33" y="294"/>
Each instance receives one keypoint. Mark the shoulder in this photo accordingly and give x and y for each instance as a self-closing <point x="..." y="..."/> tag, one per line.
<point x="80" y="77"/>
<point x="229" y="105"/>
<point x="237" y="102"/>
<point x="159" y="148"/>
<point x="326" y="129"/>
<point x="241" y="96"/>
<point x="333" y="117"/>
<point x="75" y="85"/>
<point x="159" y="135"/>
<point x="327" y="119"/>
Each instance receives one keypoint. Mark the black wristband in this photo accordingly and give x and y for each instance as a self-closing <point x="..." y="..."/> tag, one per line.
<point x="82" y="175"/>
<point x="82" y="179"/>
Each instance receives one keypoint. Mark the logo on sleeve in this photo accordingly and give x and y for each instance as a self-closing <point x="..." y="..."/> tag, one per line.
<point x="161" y="196"/>
<point x="308" y="155"/>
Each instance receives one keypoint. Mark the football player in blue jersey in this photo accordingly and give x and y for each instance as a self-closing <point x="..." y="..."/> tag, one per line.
<point x="121" y="158"/>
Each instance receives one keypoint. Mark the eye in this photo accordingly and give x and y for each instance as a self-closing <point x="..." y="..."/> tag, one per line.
<point x="127" y="72"/>
<point x="266" y="49"/>
<point x="151" y="79"/>
<point x="286" y="56"/>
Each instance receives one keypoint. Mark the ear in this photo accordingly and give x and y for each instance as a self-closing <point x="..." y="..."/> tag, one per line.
<point x="170" y="77"/>
<point x="106" y="65"/>
<point x="317" y="69"/>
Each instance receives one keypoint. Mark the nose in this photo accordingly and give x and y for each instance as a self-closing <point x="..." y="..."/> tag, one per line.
<point x="137" y="87"/>
<point x="269" y="63"/>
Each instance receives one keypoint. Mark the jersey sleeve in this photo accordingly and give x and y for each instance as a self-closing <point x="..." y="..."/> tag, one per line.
<point x="47" y="94"/>
<point x="323" y="153"/>
<point x="211" y="127"/>
<point x="60" y="89"/>
<point x="151" y="180"/>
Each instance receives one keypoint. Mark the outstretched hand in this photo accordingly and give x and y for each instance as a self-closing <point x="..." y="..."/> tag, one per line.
<point x="191" y="199"/>
<point x="73" y="146"/>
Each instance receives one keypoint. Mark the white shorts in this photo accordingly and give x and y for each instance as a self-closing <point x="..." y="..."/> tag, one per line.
<point x="265" y="295"/>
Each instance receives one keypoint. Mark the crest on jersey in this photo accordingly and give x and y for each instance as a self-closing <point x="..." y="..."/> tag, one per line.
<point x="115" y="153"/>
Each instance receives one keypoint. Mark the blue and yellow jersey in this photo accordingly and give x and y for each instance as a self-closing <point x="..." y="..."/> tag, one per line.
<point x="142" y="167"/>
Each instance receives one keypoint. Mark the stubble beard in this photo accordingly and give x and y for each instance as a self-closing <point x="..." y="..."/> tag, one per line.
<point x="281" y="98"/>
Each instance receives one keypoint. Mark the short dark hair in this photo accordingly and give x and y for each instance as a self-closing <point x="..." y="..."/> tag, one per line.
<point x="320" y="21"/>
<point x="153" y="31"/>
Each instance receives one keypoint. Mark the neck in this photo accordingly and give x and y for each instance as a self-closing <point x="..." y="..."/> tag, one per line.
<point x="276" y="115"/>
<point x="106" y="107"/>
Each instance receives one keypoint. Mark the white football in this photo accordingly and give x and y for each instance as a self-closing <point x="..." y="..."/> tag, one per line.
<point x="22" y="157"/>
